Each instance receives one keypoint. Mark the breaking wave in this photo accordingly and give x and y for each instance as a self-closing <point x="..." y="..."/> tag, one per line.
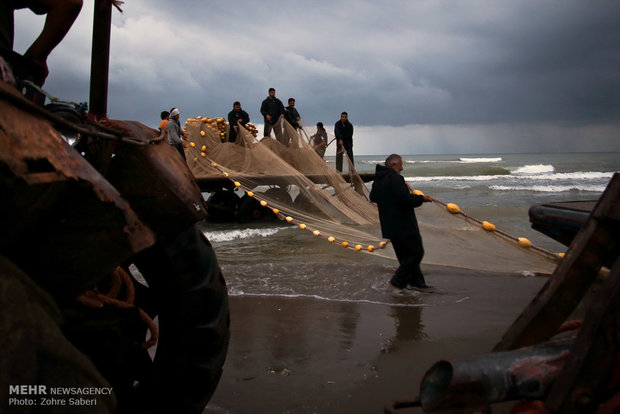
<point x="453" y="178"/>
<point x="550" y="188"/>
<point x="230" y="235"/>
<point x="474" y="160"/>
<point x="534" y="169"/>
<point x="460" y="160"/>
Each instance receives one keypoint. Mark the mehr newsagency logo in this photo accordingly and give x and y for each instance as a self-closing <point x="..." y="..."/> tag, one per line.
<point x="43" y="395"/>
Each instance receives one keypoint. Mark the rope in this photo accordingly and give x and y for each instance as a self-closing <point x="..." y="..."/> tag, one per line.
<point x="352" y="174"/>
<point x="502" y="233"/>
<point x="358" y="247"/>
<point x="119" y="277"/>
<point x="289" y="219"/>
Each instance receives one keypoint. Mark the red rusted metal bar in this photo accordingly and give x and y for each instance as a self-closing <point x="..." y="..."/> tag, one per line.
<point x="482" y="380"/>
<point x="100" y="58"/>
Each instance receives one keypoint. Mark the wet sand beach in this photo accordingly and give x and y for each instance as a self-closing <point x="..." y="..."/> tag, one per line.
<point x="315" y="328"/>
<point x="305" y="354"/>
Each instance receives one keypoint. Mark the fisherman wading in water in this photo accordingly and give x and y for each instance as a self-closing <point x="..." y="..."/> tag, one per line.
<point x="398" y="221"/>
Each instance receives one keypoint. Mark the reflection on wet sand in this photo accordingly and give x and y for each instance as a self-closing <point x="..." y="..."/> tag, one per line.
<point x="305" y="354"/>
<point x="407" y="323"/>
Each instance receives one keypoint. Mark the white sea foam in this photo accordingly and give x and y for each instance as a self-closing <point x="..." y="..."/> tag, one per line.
<point x="579" y="175"/>
<point x="235" y="291"/>
<point x="230" y="235"/>
<point x="474" y="160"/>
<point x="424" y="161"/>
<point x="410" y="161"/>
<point x="455" y="178"/>
<point x="574" y="176"/>
<point x="534" y="169"/>
<point x="549" y="188"/>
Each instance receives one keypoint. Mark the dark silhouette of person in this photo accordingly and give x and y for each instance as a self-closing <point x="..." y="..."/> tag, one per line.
<point x="343" y="130"/>
<point x="398" y="221"/>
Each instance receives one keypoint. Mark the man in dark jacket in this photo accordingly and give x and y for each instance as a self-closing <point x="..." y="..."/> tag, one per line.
<point x="398" y="221"/>
<point x="343" y="130"/>
<point x="236" y="116"/>
<point x="291" y="114"/>
<point x="272" y="110"/>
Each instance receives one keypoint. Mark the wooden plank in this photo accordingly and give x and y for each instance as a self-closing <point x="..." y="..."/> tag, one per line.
<point x="596" y="244"/>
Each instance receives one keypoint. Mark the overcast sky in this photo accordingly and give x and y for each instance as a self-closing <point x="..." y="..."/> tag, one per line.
<point x="453" y="76"/>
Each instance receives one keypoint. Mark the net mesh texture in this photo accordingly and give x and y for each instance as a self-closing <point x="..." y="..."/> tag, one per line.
<point x="286" y="177"/>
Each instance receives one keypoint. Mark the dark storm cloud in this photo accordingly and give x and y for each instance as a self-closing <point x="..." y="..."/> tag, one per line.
<point x="387" y="63"/>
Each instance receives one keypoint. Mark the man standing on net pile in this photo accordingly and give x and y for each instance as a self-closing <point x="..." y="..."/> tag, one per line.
<point x="291" y="114"/>
<point x="343" y="130"/>
<point x="398" y="221"/>
<point x="236" y="116"/>
<point x="272" y="110"/>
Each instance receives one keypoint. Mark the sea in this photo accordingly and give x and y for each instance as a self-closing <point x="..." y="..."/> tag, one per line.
<point x="316" y="328"/>
<point x="273" y="258"/>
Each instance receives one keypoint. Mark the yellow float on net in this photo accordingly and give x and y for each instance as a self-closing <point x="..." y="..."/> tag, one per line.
<point x="202" y="133"/>
<point x="204" y="148"/>
<point x="225" y="174"/>
<point x="418" y="192"/>
<point x="203" y="155"/>
<point x="237" y="184"/>
<point x="302" y="226"/>
<point x="289" y="219"/>
<point x="316" y="233"/>
<point x="275" y="211"/>
<point x="453" y="208"/>
<point x="560" y="255"/>
<point x="191" y="144"/>
<point x="213" y="164"/>
<point x="382" y="245"/>
<point x="250" y="194"/>
<point x="345" y="244"/>
<point x="263" y="203"/>
<point x="371" y="248"/>
<point x="195" y="159"/>
<point x="330" y="239"/>
<point x="488" y="226"/>
<point x="523" y="242"/>
<point x="358" y="247"/>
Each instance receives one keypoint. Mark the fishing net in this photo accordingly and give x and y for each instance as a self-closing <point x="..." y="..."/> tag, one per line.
<point x="286" y="177"/>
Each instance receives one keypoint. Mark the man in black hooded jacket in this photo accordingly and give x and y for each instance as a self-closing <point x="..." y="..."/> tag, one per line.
<point x="272" y="110"/>
<point x="398" y="221"/>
